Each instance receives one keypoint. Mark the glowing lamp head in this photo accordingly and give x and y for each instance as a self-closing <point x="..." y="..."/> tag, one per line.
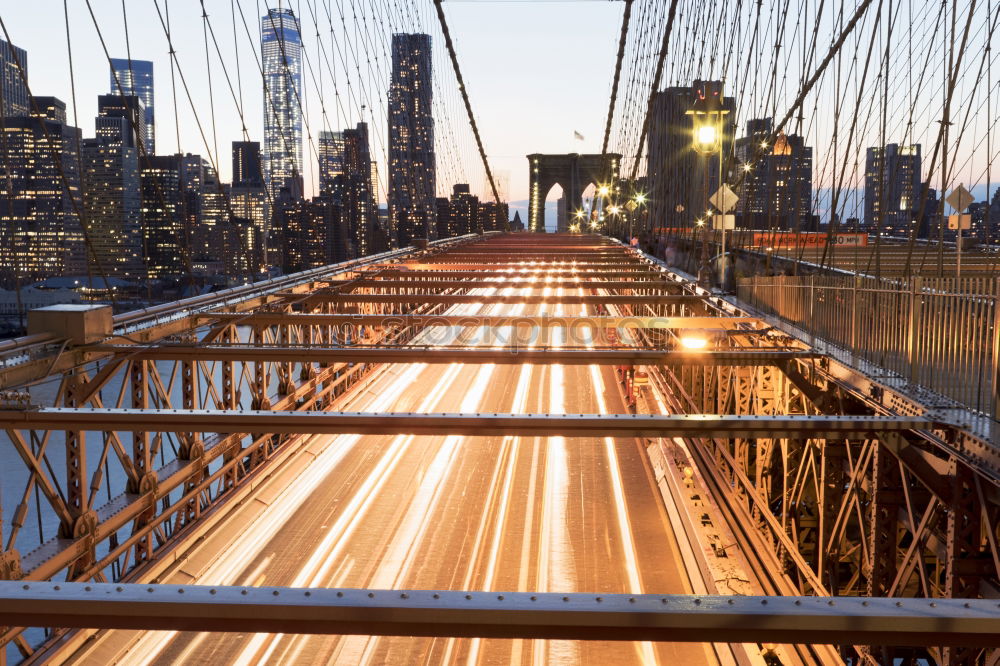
<point x="705" y="135"/>
<point x="694" y="342"/>
<point x="604" y="190"/>
<point x="640" y="199"/>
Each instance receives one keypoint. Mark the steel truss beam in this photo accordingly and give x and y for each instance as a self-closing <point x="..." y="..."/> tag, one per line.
<point x="511" y="281"/>
<point x="533" y="299"/>
<point x="489" y="273"/>
<point x="620" y="617"/>
<point x="542" y="321"/>
<point x="484" y="424"/>
<point x="591" y="270"/>
<point x="414" y="354"/>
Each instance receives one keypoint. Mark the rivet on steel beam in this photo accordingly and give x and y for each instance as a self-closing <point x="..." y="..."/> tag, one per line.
<point x="728" y="601"/>
<point x="340" y="594"/>
<point x="899" y="603"/>
<point x="599" y="599"/>
<point x="565" y="598"/>
<point x="275" y="593"/>
<point x="534" y="598"/>
<point x="371" y="595"/>
<point x="468" y="596"/>
<point x="967" y="604"/>
<point x="864" y="603"/>
<point x="28" y="587"/>
<point x="212" y="591"/>
<point x="631" y="600"/>
<point x="404" y="595"/>
<point x="57" y="588"/>
<point x="148" y="589"/>
<point x="798" y="602"/>
<point x="243" y="592"/>
<point x="119" y="588"/>
<point x="933" y="604"/>
<point x="308" y="593"/>
<point x="500" y="597"/>
<point x="830" y="602"/>
<point x="697" y="601"/>
<point x="436" y="595"/>
<point x="88" y="588"/>
<point x="180" y="591"/>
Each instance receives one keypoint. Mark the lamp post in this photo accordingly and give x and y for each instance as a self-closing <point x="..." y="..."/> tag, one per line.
<point x="706" y="116"/>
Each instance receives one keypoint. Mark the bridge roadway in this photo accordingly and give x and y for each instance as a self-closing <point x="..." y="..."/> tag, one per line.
<point x="463" y="513"/>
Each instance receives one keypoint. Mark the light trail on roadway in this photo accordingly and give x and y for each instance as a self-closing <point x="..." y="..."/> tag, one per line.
<point x="477" y="513"/>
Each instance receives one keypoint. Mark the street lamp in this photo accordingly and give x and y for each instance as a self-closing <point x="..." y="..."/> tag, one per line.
<point x="706" y="119"/>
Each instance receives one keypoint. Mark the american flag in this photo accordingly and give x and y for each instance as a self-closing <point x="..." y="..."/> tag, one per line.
<point x="577" y="135"/>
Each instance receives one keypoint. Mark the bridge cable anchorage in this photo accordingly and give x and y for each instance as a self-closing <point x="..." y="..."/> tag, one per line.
<point x="468" y="106"/>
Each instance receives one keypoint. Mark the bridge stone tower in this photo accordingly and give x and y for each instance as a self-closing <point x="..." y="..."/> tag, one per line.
<point x="573" y="172"/>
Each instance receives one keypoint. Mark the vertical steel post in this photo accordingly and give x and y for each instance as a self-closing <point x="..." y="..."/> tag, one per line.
<point x="995" y="365"/>
<point x="912" y="350"/>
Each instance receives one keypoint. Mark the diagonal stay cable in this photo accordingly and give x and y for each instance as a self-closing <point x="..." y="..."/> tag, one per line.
<point x="468" y="107"/>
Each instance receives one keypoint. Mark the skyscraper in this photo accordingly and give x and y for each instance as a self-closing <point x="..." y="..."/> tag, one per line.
<point x="776" y="189"/>
<point x="40" y="234"/>
<point x="246" y="164"/>
<point x="359" y="211"/>
<point x="892" y="188"/>
<point x="676" y="173"/>
<point x="331" y="160"/>
<point x="12" y="80"/>
<point x="110" y="108"/>
<point x="281" y="49"/>
<point x="412" y="183"/>
<point x="164" y="233"/>
<point x="248" y="199"/>
<point x="111" y="192"/>
<point x="135" y="77"/>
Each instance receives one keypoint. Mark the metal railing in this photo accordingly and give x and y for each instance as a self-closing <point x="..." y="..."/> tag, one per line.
<point x="939" y="334"/>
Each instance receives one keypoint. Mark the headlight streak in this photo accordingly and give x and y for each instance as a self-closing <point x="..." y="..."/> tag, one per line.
<point x="646" y="653"/>
<point x="404" y="546"/>
<point x="237" y="555"/>
<point x="558" y="572"/>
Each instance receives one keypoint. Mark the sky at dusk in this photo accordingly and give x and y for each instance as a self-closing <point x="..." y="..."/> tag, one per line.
<point x="536" y="72"/>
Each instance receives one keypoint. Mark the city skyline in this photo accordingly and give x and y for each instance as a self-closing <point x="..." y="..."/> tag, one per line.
<point x="578" y="51"/>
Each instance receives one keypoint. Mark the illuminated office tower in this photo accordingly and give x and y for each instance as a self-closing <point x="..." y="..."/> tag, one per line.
<point x="164" y="229"/>
<point x="360" y="213"/>
<point x="12" y="81"/>
<point x="892" y="188"/>
<point x="135" y="77"/>
<point x="111" y="189"/>
<point x="40" y="234"/>
<point x="412" y="185"/>
<point x="111" y="108"/>
<point x="331" y="160"/>
<point x="776" y="179"/>
<point x="281" y="49"/>
<point x="675" y="172"/>
<point x="248" y="199"/>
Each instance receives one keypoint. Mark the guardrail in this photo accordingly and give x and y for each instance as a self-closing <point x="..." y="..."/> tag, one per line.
<point x="38" y="347"/>
<point x="940" y="334"/>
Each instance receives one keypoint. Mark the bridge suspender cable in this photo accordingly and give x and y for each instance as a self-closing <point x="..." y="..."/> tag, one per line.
<point x="618" y="71"/>
<point x="468" y="108"/>
<point x="653" y="86"/>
